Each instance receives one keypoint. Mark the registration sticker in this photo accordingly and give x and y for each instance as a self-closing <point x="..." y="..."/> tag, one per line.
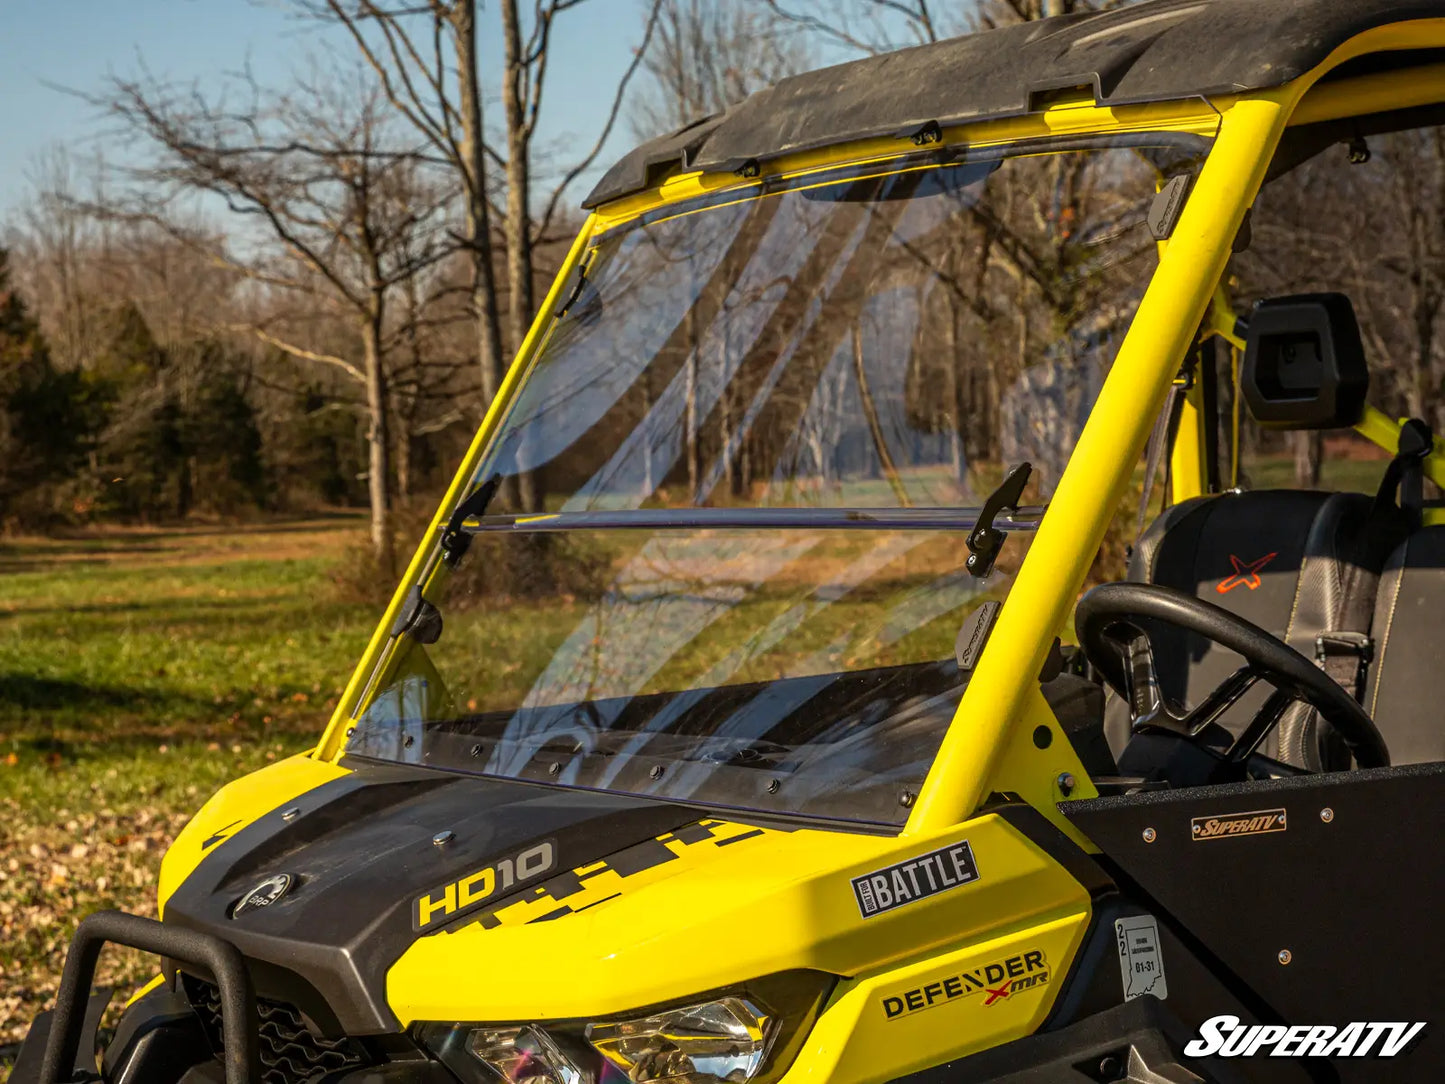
<point x="1140" y="961"/>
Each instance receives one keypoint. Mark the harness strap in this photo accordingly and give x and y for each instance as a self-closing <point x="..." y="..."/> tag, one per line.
<point x="1161" y="439"/>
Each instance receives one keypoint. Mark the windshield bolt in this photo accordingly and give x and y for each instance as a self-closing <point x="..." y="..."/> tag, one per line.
<point x="291" y="814"/>
<point x="773" y="786"/>
<point x="477" y="749"/>
<point x="1066" y="784"/>
<point x="554" y="768"/>
<point x="442" y="838"/>
<point x="656" y="771"/>
<point x="1285" y="956"/>
<point x="1327" y="814"/>
<point x="350" y="731"/>
<point x="906" y="799"/>
<point x="1150" y="835"/>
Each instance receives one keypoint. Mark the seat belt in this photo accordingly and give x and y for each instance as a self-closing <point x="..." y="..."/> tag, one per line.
<point x="1403" y="486"/>
<point x="1346" y="656"/>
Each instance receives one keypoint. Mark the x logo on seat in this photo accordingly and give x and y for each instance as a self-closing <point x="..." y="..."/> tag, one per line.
<point x="1246" y="573"/>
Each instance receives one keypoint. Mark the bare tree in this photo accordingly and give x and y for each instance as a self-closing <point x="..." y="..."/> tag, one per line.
<point x="707" y="55"/>
<point x="880" y="26"/>
<point x="425" y="56"/>
<point x="336" y="211"/>
<point x="865" y="26"/>
<point x="407" y="48"/>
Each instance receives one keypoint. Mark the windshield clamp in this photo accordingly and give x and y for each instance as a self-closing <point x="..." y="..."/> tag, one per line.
<point x="454" y="540"/>
<point x="985" y="540"/>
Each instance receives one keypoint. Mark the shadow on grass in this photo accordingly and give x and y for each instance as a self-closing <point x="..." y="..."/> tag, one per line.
<point x="180" y="610"/>
<point x="31" y="692"/>
<point x="52" y="714"/>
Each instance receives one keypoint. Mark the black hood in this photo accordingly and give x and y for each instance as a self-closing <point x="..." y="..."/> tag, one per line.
<point x="359" y="853"/>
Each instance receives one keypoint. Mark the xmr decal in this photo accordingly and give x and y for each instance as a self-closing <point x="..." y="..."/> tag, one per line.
<point x="1140" y="961"/>
<point x="1253" y="823"/>
<point x="991" y="983"/>
<point x="1246" y="573"/>
<point x="473" y="890"/>
<point x="1226" y="1037"/>
<point x="917" y="879"/>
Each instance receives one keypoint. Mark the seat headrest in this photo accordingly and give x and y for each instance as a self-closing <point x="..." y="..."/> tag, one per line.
<point x="1304" y="364"/>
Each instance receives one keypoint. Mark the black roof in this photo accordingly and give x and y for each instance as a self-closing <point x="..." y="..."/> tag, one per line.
<point x="1156" y="51"/>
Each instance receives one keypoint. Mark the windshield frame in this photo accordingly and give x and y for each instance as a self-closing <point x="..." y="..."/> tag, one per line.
<point x="1044" y="133"/>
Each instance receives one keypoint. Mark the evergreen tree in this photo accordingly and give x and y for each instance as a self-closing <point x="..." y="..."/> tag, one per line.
<point x="48" y="418"/>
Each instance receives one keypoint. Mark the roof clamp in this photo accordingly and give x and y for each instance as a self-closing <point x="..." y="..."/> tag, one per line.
<point x="1359" y="151"/>
<point x="749" y="169"/>
<point x="985" y="540"/>
<point x="930" y="133"/>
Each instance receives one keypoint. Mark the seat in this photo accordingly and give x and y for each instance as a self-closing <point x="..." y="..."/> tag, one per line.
<point x="1300" y="564"/>
<point x="1404" y="677"/>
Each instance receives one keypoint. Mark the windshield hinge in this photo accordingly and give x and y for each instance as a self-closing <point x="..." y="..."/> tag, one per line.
<point x="418" y="617"/>
<point x="985" y="540"/>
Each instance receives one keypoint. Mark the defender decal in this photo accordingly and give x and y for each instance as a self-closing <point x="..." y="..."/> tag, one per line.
<point x="1255" y="822"/>
<point x="993" y="982"/>
<point x="917" y="879"/>
<point x="476" y="888"/>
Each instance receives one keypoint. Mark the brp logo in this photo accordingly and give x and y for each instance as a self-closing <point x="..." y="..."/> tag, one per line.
<point x="264" y="894"/>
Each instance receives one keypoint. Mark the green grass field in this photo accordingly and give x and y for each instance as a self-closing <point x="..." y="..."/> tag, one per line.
<point x="139" y="671"/>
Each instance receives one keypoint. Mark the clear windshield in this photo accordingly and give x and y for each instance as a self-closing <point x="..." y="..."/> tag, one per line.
<point x="723" y="560"/>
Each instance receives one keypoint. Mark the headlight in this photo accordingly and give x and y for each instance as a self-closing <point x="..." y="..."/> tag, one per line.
<point x="747" y="1034"/>
<point x="721" y="1040"/>
<point x="523" y="1055"/>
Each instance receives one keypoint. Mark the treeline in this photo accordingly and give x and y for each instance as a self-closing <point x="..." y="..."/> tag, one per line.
<point x="127" y="427"/>
<point x="288" y="295"/>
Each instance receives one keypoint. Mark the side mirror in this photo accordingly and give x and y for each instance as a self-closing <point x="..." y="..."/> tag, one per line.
<point x="1304" y="364"/>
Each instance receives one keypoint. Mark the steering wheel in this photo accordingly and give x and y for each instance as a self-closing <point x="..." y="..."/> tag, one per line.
<point x="1107" y="621"/>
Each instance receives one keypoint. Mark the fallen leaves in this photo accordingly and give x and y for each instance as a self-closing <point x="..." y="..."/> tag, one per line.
<point x="83" y="838"/>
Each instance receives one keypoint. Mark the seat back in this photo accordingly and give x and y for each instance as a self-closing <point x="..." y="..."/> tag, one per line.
<point x="1297" y="563"/>
<point x="1400" y="694"/>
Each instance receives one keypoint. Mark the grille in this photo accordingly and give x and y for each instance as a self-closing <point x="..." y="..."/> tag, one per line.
<point x="289" y="1053"/>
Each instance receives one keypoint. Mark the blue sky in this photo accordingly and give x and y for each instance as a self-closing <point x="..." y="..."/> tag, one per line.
<point x="76" y="43"/>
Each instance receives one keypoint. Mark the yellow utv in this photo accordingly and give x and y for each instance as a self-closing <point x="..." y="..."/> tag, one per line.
<point x="929" y="671"/>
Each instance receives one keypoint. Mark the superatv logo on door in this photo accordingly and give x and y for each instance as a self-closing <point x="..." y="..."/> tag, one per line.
<point x="1226" y="1037"/>
<point x="467" y="893"/>
<point x="917" y="879"/>
<point x="1253" y="823"/>
<point x="992" y="983"/>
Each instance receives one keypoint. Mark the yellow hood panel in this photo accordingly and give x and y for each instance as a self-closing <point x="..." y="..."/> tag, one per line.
<point x="742" y="903"/>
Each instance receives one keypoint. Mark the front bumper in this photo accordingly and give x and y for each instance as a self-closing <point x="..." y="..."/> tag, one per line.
<point x="194" y="1032"/>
